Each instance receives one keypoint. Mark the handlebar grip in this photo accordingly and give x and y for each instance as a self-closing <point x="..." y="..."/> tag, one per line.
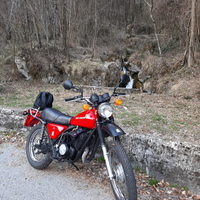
<point x="122" y="93"/>
<point x="70" y="99"/>
<point x="118" y="94"/>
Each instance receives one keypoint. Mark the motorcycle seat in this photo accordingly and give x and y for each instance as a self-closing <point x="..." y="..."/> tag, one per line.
<point x="54" y="116"/>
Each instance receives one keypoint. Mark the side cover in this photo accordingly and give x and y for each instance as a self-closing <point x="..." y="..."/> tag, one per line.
<point x="112" y="130"/>
<point x="55" y="130"/>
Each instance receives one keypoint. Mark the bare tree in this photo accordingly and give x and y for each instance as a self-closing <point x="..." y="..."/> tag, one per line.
<point x="95" y="28"/>
<point x="35" y="24"/>
<point x="67" y="23"/>
<point x="64" y="24"/>
<point x="191" y="59"/>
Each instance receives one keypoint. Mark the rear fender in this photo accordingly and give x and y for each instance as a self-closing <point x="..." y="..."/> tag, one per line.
<point x="112" y="130"/>
<point x="30" y="120"/>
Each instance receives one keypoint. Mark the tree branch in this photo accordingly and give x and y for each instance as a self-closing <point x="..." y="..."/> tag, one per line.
<point x="148" y="3"/>
<point x="152" y="18"/>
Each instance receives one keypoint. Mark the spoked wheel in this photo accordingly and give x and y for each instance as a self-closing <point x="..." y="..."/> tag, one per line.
<point x="35" y="156"/>
<point x="123" y="184"/>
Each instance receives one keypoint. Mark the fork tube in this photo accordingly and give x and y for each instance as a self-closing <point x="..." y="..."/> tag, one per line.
<point x="104" y="149"/>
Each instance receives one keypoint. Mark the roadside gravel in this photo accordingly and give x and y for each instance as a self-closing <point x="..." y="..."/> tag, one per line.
<point x="20" y="181"/>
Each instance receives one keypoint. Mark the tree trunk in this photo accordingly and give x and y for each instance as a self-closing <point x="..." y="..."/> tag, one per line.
<point x="110" y="16"/>
<point x="191" y="59"/>
<point x="35" y="25"/>
<point x="29" y="31"/>
<point x="133" y="11"/>
<point x="63" y="22"/>
<point x="95" y="29"/>
<point x="69" y="31"/>
<point x="8" y="27"/>
<point x="14" y="53"/>
<point x="187" y="44"/>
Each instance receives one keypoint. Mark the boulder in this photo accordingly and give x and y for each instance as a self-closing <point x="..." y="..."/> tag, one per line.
<point x="134" y="68"/>
<point x="21" y="66"/>
<point x="112" y="75"/>
<point x="93" y="73"/>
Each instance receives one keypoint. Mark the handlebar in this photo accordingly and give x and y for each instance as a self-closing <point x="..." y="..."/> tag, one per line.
<point x="76" y="97"/>
<point x="80" y="97"/>
<point x="70" y="99"/>
<point x="118" y="94"/>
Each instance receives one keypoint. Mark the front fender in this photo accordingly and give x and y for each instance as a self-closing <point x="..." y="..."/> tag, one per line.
<point x="111" y="129"/>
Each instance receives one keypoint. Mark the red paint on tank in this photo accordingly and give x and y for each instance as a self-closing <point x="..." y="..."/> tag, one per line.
<point x="85" y="119"/>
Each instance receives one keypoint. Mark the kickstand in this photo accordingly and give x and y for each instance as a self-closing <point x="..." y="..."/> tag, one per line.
<point x="75" y="166"/>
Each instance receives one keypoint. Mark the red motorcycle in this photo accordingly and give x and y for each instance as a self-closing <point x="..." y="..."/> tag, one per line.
<point x="63" y="138"/>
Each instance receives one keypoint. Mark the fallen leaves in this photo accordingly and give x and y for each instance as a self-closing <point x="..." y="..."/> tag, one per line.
<point x="163" y="191"/>
<point x="196" y="197"/>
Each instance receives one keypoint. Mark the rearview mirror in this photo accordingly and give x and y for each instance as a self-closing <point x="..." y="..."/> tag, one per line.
<point x="68" y="85"/>
<point x="124" y="79"/>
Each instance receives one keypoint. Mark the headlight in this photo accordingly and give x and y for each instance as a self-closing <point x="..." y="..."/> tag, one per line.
<point x="105" y="110"/>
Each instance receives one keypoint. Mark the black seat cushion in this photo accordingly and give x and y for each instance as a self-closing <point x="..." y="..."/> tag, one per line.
<point x="52" y="115"/>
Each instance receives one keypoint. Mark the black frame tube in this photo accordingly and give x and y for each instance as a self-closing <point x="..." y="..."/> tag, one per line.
<point x="101" y="138"/>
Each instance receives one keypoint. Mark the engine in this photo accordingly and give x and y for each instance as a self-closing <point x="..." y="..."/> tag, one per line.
<point x="71" y="142"/>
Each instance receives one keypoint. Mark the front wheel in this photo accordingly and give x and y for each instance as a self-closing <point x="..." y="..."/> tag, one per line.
<point x="123" y="183"/>
<point x="35" y="157"/>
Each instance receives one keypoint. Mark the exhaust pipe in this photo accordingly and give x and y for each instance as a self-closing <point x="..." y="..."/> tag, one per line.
<point x="85" y="154"/>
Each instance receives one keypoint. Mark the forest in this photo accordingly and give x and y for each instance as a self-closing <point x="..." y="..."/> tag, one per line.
<point x="61" y="26"/>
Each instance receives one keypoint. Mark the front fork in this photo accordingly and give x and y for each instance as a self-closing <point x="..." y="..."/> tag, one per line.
<point x="104" y="149"/>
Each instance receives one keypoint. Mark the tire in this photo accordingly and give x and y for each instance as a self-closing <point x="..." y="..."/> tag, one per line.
<point x="37" y="159"/>
<point x="123" y="184"/>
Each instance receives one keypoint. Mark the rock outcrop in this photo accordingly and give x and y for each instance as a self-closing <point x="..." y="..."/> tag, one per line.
<point x="21" y="66"/>
<point x="93" y="73"/>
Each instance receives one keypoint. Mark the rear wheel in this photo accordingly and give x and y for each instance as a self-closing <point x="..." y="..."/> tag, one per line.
<point x="35" y="157"/>
<point x="123" y="183"/>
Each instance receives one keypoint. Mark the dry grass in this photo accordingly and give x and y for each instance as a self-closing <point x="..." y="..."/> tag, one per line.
<point x="173" y="116"/>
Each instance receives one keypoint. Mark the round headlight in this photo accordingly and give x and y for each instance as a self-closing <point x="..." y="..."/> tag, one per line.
<point x="105" y="110"/>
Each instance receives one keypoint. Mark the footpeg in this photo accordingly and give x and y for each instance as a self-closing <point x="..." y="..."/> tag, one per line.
<point x="56" y="158"/>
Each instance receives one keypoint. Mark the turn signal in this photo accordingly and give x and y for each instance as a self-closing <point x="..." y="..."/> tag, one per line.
<point x="86" y="107"/>
<point x="118" y="102"/>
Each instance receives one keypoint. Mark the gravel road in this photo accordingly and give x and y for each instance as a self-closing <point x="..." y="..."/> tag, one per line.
<point x="18" y="180"/>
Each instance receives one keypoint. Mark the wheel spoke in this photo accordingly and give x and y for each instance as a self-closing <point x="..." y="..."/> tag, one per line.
<point x="123" y="182"/>
<point x="35" y="153"/>
<point x="117" y="190"/>
<point x="119" y="182"/>
<point x="35" y="156"/>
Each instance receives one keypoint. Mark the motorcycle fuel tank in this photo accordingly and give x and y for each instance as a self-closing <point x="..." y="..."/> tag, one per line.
<point x="86" y="119"/>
